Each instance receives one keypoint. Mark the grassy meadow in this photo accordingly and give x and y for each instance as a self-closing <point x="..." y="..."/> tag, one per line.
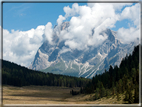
<point x="52" y="95"/>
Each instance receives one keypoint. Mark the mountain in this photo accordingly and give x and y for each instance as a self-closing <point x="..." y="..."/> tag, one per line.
<point x="81" y="63"/>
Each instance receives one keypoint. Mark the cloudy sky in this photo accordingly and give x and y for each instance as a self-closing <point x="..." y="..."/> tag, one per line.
<point x="24" y="25"/>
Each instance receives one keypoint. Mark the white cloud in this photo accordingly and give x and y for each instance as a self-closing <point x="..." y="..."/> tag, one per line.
<point x="132" y="13"/>
<point x="60" y="20"/>
<point x="131" y="33"/>
<point x="83" y="20"/>
<point x="64" y="49"/>
<point x="97" y="16"/>
<point x="128" y="35"/>
<point x="49" y="32"/>
<point x="119" y="6"/>
<point x="21" y="46"/>
<point x="71" y="11"/>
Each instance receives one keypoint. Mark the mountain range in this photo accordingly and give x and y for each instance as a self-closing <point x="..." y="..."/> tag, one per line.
<point x="81" y="63"/>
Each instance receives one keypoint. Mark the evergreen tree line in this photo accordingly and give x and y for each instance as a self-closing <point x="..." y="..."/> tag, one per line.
<point x="118" y="80"/>
<point x="16" y="75"/>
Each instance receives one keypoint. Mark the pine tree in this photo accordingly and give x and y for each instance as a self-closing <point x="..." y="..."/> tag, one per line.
<point x="81" y="90"/>
<point x="97" y="96"/>
<point x="124" y="79"/>
<point x="136" y="94"/>
<point x="118" y="96"/>
<point x="120" y="86"/>
<point x="113" y="91"/>
<point x="103" y="92"/>
<point x="107" y="93"/>
<point x="128" y="94"/>
<point x="130" y="100"/>
<point x="117" y="88"/>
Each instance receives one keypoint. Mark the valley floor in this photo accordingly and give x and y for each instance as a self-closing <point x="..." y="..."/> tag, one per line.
<point x="51" y="95"/>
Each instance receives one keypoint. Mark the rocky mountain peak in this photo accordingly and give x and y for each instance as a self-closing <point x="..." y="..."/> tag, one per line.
<point x="84" y="63"/>
<point x="64" y="25"/>
<point x="111" y="36"/>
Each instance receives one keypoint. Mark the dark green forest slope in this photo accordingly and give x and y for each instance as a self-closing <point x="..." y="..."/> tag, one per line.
<point x="16" y="75"/>
<point x="118" y="80"/>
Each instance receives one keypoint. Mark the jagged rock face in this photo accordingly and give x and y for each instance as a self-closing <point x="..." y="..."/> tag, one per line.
<point x="81" y="63"/>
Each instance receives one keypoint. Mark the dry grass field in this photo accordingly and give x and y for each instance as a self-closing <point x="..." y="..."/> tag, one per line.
<point x="50" y="95"/>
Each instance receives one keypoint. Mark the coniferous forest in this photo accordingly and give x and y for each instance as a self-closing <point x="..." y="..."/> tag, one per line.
<point x="117" y="80"/>
<point x="16" y="75"/>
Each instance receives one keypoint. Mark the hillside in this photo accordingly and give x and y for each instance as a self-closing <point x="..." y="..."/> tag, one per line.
<point x="16" y="75"/>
